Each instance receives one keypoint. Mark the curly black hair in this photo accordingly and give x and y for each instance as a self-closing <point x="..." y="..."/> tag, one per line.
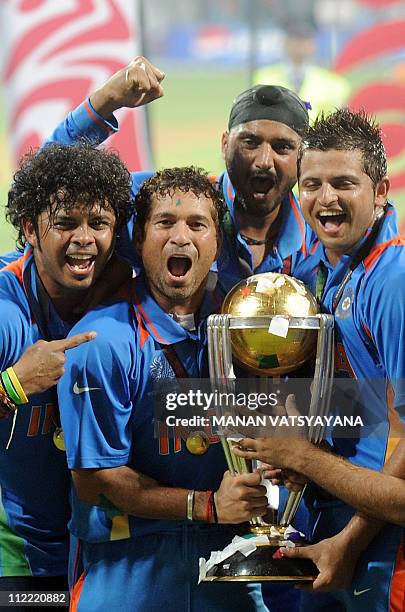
<point x="346" y="130"/>
<point x="188" y="178"/>
<point x="62" y="176"/>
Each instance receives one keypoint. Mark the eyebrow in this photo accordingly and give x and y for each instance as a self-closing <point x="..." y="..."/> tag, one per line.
<point x="171" y="215"/>
<point x="277" y="139"/>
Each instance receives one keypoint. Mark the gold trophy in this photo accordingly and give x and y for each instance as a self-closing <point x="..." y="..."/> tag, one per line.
<point x="270" y="325"/>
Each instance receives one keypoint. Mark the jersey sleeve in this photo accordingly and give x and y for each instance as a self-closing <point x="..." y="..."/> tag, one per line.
<point x="13" y="333"/>
<point x="83" y="123"/>
<point x="385" y="323"/>
<point x="95" y="398"/>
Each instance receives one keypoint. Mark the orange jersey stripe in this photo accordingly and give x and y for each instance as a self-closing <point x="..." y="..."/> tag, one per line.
<point x="16" y="267"/>
<point x="378" y="250"/>
<point x="95" y="118"/>
<point x="300" y="224"/>
<point x="147" y="320"/>
<point x="76" y="592"/>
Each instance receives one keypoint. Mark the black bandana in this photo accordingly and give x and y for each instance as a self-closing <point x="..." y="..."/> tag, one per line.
<point x="271" y="102"/>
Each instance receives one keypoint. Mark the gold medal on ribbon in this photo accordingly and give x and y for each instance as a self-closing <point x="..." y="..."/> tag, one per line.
<point x="197" y="443"/>
<point x="58" y="439"/>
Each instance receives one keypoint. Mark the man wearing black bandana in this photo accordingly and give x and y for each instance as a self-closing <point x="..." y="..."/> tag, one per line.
<point x="264" y="229"/>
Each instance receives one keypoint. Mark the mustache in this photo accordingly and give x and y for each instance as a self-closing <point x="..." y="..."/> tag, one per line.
<point x="179" y="252"/>
<point x="73" y="252"/>
<point x="264" y="174"/>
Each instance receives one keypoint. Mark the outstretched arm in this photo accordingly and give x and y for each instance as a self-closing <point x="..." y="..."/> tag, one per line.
<point x="378" y="494"/>
<point x="134" y="85"/>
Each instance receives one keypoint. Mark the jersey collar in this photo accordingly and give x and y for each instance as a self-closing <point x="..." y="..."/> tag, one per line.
<point x="163" y="328"/>
<point x="291" y="236"/>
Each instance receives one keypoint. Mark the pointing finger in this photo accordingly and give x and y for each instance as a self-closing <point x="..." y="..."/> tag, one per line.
<point x="74" y="341"/>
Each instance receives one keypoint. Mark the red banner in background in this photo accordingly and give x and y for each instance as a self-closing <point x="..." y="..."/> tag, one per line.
<point x="54" y="54"/>
<point x="373" y="56"/>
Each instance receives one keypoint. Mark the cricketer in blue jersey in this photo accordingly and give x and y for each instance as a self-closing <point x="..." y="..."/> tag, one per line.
<point x="356" y="267"/>
<point x="264" y="229"/>
<point x="59" y="203"/>
<point x="144" y="511"/>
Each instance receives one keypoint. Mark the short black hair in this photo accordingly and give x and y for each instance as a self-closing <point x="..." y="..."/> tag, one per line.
<point x="188" y="178"/>
<point x="347" y="130"/>
<point x="61" y="176"/>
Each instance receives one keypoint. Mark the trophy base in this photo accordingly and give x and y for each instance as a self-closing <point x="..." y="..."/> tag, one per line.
<point x="261" y="566"/>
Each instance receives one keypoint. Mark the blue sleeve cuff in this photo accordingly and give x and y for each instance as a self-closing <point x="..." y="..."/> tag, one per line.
<point x="83" y="123"/>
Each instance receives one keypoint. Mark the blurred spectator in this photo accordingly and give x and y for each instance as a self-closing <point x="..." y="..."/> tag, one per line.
<point x="324" y="89"/>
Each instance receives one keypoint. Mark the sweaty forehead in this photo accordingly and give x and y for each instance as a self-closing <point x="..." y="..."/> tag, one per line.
<point x="80" y="208"/>
<point x="266" y="128"/>
<point x="180" y="200"/>
<point x="332" y="162"/>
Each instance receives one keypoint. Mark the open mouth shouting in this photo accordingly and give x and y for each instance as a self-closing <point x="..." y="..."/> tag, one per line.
<point x="261" y="184"/>
<point x="179" y="266"/>
<point x="80" y="264"/>
<point x="331" y="221"/>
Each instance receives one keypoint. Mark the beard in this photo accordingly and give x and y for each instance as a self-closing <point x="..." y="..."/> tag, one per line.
<point x="260" y="209"/>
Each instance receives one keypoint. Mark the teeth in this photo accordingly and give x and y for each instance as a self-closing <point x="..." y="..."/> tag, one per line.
<point x="80" y="257"/>
<point x="331" y="213"/>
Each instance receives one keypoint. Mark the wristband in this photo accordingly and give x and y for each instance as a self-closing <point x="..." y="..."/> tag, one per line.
<point x="9" y="389"/>
<point x="6" y="405"/>
<point x="190" y="505"/>
<point x="209" y="512"/>
<point x="17" y="386"/>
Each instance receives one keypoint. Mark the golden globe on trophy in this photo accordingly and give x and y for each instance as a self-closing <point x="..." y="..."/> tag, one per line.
<point x="270" y="326"/>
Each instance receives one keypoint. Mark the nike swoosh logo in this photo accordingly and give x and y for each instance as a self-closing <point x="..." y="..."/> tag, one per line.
<point x="356" y="593"/>
<point x="77" y="390"/>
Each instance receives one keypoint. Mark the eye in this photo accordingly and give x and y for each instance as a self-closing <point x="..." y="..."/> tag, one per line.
<point x="99" y="224"/>
<point x="164" y="223"/>
<point x="309" y="185"/>
<point x="63" y="224"/>
<point x="197" y="225"/>
<point x="250" y="142"/>
<point x="284" y="148"/>
<point x="344" y="184"/>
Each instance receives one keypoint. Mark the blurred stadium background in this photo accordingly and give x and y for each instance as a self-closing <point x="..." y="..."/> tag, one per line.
<point x="55" y="53"/>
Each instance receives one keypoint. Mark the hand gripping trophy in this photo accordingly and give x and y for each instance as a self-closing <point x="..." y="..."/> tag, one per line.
<point x="269" y="326"/>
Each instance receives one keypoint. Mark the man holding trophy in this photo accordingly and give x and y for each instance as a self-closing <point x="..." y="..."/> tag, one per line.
<point x="357" y="268"/>
<point x="144" y="508"/>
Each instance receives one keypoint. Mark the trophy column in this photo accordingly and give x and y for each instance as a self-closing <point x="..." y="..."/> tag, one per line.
<point x="261" y="565"/>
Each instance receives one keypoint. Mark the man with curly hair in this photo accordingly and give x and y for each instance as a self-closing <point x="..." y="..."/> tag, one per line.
<point x="67" y="204"/>
<point x="150" y="503"/>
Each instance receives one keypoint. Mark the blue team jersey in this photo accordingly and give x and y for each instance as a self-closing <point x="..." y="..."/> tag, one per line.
<point x="8" y="258"/>
<point x="108" y="414"/>
<point x="370" y="337"/>
<point x="34" y="508"/>
<point x="289" y="247"/>
<point x="235" y="258"/>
